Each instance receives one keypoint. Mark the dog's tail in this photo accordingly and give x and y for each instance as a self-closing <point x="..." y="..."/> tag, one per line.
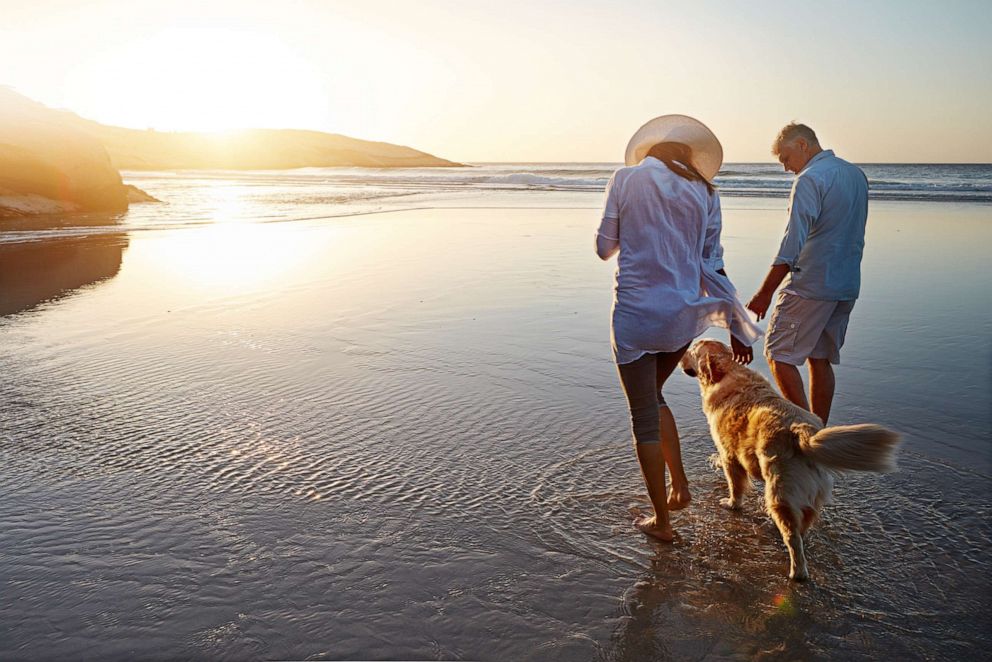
<point x="852" y="447"/>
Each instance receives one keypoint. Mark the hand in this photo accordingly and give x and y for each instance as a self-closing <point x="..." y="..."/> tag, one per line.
<point x="759" y="304"/>
<point x="742" y="353"/>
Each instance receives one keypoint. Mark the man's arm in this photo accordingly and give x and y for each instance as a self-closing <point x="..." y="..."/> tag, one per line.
<point x="804" y="207"/>
<point x="760" y="302"/>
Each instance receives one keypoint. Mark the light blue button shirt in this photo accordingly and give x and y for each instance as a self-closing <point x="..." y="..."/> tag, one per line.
<point x="825" y="237"/>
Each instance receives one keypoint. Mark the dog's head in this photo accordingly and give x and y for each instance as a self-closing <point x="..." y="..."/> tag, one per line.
<point x="709" y="360"/>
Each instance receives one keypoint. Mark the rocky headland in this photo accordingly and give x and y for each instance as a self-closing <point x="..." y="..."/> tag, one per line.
<point x="49" y="165"/>
<point x="55" y="162"/>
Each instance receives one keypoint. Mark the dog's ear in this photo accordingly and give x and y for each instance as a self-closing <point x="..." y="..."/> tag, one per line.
<point x="711" y="369"/>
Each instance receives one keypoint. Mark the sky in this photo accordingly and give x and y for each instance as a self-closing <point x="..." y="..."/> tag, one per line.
<point x="515" y="80"/>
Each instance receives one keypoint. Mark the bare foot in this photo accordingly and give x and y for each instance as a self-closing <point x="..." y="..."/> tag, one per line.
<point x="649" y="525"/>
<point x="678" y="498"/>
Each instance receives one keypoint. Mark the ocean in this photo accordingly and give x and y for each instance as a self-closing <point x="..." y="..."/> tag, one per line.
<point x="200" y="196"/>
<point x="372" y="414"/>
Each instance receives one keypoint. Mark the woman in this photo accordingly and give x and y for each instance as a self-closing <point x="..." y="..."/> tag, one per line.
<point x="663" y="217"/>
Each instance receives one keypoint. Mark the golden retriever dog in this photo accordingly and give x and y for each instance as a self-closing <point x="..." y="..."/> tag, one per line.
<point x="761" y="435"/>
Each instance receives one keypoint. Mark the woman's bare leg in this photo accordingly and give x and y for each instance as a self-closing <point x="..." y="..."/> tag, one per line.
<point x="638" y="379"/>
<point x="678" y="495"/>
<point x="652" y="462"/>
<point x="671" y="448"/>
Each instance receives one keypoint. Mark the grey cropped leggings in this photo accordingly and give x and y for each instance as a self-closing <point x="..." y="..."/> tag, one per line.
<point x="642" y="381"/>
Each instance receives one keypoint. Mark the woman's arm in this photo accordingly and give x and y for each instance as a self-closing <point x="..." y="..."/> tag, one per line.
<point x="608" y="238"/>
<point x="608" y="235"/>
<point x="743" y="354"/>
<point x="712" y="249"/>
<point x="713" y="256"/>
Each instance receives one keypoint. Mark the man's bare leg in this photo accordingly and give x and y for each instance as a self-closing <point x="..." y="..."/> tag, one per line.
<point x="821" y="387"/>
<point x="790" y="382"/>
<point x="652" y="463"/>
<point x="678" y="495"/>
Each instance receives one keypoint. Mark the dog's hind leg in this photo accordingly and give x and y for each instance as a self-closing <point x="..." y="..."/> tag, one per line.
<point x="790" y="526"/>
<point x="737" y="482"/>
<point x="809" y="519"/>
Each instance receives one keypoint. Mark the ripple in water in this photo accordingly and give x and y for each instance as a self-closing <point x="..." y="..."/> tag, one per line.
<point x="428" y="478"/>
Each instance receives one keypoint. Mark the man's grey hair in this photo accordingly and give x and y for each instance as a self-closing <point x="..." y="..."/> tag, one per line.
<point x="791" y="132"/>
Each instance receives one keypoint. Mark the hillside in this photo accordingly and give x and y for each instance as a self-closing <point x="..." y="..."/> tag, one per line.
<point x="53" y="161"/>
<point x="255" y="149"/>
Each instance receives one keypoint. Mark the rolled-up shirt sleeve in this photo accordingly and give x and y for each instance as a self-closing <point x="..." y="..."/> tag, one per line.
<point x="608" y="235"/>
<point x="712" y="249"/>
<point x="804" y="208"/>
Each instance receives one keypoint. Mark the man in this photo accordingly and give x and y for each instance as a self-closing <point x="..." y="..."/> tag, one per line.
<point x="820" y="261"/>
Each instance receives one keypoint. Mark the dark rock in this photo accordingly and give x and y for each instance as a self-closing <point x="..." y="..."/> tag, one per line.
<point x="135" y="194"/>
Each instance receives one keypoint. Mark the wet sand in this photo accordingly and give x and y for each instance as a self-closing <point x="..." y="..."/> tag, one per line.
<point x="401" y="436"/>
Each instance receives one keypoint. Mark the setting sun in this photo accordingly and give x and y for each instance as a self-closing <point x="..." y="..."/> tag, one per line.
<point x="206" y="78"/>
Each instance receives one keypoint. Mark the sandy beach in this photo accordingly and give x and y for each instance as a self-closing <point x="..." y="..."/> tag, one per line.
<point x="401" y="435"/>
<point x="305" y="340"/>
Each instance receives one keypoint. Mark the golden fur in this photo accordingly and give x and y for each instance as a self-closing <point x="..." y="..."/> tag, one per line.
<point x="763" y="436"/>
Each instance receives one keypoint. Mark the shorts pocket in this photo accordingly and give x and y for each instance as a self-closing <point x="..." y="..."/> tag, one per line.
<point x="783" y="334"/>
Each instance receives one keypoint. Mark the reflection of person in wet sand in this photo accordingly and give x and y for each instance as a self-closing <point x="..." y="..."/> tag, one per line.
<point x="663" y="218"/>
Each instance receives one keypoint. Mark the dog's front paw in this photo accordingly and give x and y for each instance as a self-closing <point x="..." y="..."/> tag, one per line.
<point x="730" y="504"/>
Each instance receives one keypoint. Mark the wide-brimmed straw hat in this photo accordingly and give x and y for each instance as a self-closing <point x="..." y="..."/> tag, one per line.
<point x="707" y="153"/>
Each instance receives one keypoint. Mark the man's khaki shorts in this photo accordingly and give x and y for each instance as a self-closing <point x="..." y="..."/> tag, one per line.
<point x="802" y="329"/>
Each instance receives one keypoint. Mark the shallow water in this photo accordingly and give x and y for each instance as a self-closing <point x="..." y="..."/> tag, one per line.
<point x="401" y="436"/>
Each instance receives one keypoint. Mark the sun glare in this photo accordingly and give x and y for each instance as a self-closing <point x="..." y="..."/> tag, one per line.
<point x="208" y="79"/>
<point x="226" y="259"/>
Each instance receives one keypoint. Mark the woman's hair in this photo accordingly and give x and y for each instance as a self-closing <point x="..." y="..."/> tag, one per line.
<point x="678" y="158"/>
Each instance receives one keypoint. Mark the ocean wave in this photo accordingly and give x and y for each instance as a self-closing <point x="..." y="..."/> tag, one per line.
<point x="464" y="179"/>
<point x="912" y="181"/>
<point x="926" y="187"/>
<point x="540" y="181"/>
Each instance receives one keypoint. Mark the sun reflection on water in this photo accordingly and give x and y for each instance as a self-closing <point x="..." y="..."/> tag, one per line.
<point x="231" y="257"/>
